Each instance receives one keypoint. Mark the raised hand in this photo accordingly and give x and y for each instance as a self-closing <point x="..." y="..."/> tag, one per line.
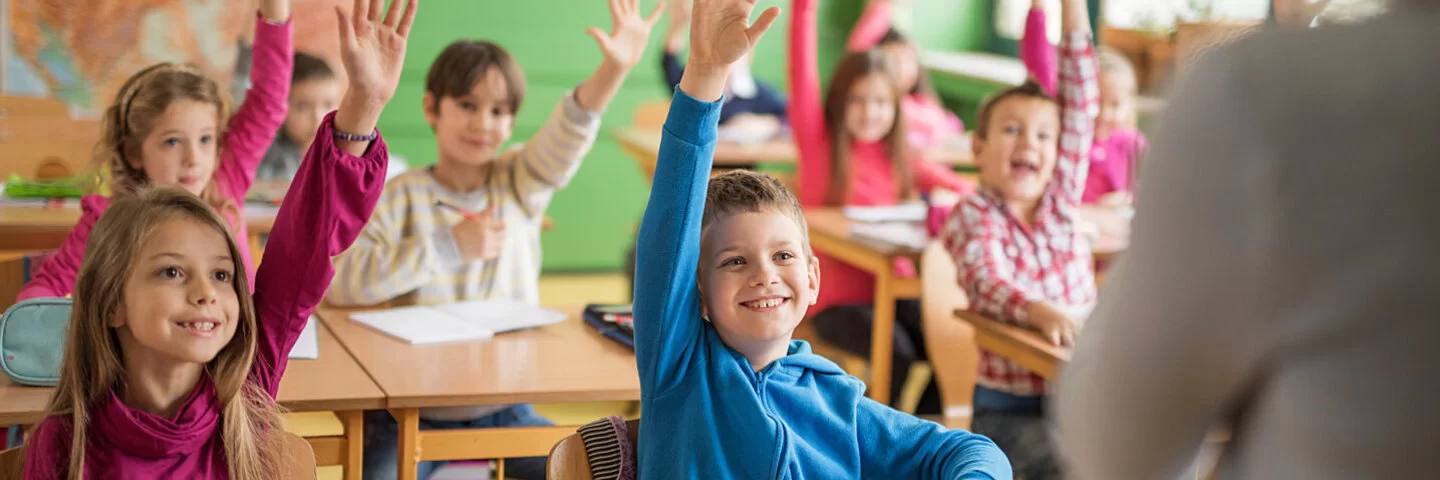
<point x="721" y="32"/>
<point x="372" y="49"/>
<point x="629" y="33"/>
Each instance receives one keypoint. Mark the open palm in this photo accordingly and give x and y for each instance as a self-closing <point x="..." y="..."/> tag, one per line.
<point x="721" y="33"/>
<point x="629" y="33"/>
<point x="373" y="49"/>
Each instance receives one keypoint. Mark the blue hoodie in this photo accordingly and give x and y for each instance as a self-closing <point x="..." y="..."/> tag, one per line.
<point x="707" y="413"/>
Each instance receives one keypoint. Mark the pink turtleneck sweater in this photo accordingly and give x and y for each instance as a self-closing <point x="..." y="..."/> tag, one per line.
<point x="334" y="194"/>
<point x="872" y="180"/>
<point x="248" y="135"/>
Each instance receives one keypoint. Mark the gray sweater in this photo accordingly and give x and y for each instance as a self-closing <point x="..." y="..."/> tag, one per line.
<point x="1285" y="271"/>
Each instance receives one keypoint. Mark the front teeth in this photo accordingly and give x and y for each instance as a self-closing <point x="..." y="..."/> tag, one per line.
<point x="773" y="302"/>
<point x="201" y="326"/>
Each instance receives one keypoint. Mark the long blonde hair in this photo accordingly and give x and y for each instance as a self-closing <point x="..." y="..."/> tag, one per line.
<point x="140" y="101"/>
<point x="852" y="68"/>
<point x="93" y="367"/>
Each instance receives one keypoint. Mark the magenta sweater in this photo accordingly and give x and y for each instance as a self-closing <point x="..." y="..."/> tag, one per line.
<point x="248" y="135"/>
<point x="334" y="194"/>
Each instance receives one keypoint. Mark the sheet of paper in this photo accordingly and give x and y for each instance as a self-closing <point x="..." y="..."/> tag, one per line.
<point x="308" y="345"/>
<point x="908" y="234"/>
<point x="421" y="325"/>
<point x="907" y="212"/>
<point x="501" y="316"/>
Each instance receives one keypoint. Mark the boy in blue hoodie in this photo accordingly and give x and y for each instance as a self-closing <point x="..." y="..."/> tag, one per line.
<point x="724" y="277"/>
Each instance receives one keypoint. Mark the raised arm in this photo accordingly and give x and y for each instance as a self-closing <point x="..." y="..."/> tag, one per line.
<point x="1035" y="49"/>
<point x="670" y="65"/>
<point x="56" y="277"/>
<point x="931" y="175"/>
<point x="807" y="113"/>
<point x="252" y="130"/>
<point x="874" y="22"/>
<point x="622" y="48"/>
<point x="898" y="445"/>
<point x="1078" y="94"/>
<point x="667" y="303"/>
<point x="336" y="188"/>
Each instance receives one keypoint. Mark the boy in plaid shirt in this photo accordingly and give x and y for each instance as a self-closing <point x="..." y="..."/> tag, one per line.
<point x="1021" y="255"/>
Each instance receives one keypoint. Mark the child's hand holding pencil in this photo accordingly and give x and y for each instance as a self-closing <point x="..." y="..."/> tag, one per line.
<point x="480" y="236"/>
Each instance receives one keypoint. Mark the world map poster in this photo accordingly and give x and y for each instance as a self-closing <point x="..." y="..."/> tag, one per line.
<point x="82" y="51"/>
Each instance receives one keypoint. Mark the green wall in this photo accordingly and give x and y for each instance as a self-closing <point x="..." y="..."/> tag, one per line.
<point x="596" y="216"/>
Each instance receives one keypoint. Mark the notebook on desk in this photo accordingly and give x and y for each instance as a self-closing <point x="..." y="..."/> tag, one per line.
<point x="456" y="322"/>
<point x="905" y="212"/>
<point x="307" y="347"/>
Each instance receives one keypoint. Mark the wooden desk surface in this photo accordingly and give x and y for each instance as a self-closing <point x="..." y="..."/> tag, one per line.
<point x="332" y="382"/>
<point x="1020" y="344"/>
<point x="564" y="362"/>
<point x="831" y="222"/>
<point x="20" y="220"/>
<point x="739" y="155"/>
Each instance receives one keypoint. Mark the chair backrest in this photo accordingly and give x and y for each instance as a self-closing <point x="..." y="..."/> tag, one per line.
<point x="12" y="462"/>
<point x="949" y="341"/>
<point x="570" y="461"/>
<point x="651" y="114"/>
<point x="298" y="458"/>
<point x="297" y="462"/>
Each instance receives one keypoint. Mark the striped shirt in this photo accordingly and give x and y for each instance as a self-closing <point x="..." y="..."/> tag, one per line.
<point x="1005" y="265"/>
<point x="407" y="254"/>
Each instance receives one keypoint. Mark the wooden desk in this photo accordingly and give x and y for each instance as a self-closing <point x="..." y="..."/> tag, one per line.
<point x="1026" y="347"/>
<point x="644" y="145"/>
<point x="45" y="228"/>
<point x="332" y="382"/>
<point x="830" y="235"/>
<point x="564" y="362"/>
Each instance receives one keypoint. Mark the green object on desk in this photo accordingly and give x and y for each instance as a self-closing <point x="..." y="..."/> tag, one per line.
<point x="16" y="187"/>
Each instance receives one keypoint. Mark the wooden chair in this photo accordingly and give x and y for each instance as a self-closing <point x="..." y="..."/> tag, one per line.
<point x="298" y="462"/>
<point x="569" y="460"/>
<point x="949" y="341"/>
<point x="12" y="462"/>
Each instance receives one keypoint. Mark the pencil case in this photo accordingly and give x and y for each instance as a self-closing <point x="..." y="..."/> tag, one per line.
<point x="32" y="340"/>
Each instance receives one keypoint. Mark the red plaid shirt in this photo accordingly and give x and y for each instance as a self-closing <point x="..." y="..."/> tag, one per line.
<point x="1004" y="265"/>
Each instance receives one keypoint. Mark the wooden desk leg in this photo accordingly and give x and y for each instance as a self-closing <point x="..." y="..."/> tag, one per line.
<point x="354" y="443"/>
<point x="409" y="422"/>
<point x="882" y="336"/>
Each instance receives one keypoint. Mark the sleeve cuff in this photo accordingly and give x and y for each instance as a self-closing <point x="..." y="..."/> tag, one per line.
<point x="261" y="20"/>
<point x="692" y="120"/>
<point x="447" y="252"/>
<point x="576" y="113"/>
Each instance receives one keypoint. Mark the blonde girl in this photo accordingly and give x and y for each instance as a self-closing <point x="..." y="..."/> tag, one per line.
<point x="171" y="367"/>
<point x="168" y="127"/>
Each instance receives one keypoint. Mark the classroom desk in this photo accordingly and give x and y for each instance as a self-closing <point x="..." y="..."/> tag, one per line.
<point x="830" y="234"/>
<point x="563" y="362"/>
<point x="1022" y="345"/>
<point x="644" y="145"/>
<point x="45" y="228"/>
<point x="332" y="382"/>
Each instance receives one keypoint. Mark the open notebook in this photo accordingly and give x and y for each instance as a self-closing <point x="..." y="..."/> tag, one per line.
<point x="456" y="322"/>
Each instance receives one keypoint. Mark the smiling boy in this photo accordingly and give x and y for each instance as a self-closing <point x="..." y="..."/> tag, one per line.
<point x="725" y="274"/>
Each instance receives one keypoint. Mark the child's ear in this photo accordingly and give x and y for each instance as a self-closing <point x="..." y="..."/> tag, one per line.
<point x="431" y="105"/>
<point x="118" y="319"/>
<point x="977" y="143"/>
<point x="814" y="280"/>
